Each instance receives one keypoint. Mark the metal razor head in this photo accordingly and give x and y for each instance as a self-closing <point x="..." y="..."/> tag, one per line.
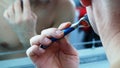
<point x="84" y="21"/>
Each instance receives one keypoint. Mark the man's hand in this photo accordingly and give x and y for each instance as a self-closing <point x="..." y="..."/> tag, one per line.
<point x="22" y="20"/>
<point x="60" y="54"/>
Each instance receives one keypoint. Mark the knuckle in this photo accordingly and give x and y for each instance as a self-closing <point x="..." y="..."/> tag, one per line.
<point x="35" y="16"/>
<point x="34" y="40"/>
<point x="48" y="30"/>
<point x="5" y="14"/>
<point x="43" y="31"/>
<point x="45" y="41"/>
<point x="31" y="40"/>
<point x="28" y="17"/>
<point x="19" y="20"/>
<point x="17" y="3"/>
<point x="28" y="51"/>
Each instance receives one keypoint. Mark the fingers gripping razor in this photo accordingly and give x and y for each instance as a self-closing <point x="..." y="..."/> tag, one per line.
<point x="70" y="29"/>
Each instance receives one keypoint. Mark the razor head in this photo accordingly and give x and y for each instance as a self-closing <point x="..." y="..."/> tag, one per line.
<point x="84" y="22"/>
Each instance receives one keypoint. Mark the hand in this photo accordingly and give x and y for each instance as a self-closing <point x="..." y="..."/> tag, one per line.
<point x="21" y="18"/>
<point x="60" y="54"/>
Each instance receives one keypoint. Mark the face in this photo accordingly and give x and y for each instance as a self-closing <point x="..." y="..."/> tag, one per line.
<point x="105" y="14"/>
<point x="90" y="13"/>
<point x="102" y="14"/>
<point x="91" y="19"/>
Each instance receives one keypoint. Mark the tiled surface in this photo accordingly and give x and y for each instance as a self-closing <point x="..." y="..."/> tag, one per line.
<point x="98" y="64"/>
<point x="16" y="63"/>
<point x="26" y="63"/>
<point x="90" y="58"/>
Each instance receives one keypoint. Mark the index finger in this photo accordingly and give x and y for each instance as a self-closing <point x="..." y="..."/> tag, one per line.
<point x="64" y="25"/>
<point x="26" y="5"/>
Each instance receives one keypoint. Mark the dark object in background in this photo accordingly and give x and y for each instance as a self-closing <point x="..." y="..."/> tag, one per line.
<point x="89" y="34"/>
<point x="22" y="4"/>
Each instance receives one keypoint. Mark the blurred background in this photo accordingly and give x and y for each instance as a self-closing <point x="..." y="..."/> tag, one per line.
<point x="84" y="39"/>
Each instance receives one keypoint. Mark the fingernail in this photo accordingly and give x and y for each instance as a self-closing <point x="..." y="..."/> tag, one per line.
<point x="59" y="33"/>
<point x="47" y="41"/>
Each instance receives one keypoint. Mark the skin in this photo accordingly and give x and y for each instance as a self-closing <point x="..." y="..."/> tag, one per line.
<point x="60" y="54"/>
<point x="104" y="16"/>
<point x="20" y="25"/>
